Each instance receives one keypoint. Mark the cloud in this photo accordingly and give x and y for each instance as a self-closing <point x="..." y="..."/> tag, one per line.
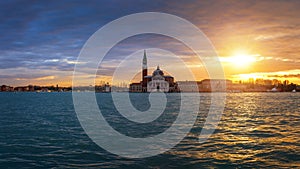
<point x="24" y="76"/>
<point x="285" y="76"/>
<point x="46" y="35"/>
<point x="282" y="75"/>
<point x="247" y="24"/>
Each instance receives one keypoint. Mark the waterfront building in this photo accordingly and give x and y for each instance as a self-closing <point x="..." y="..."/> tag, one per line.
<point x="5" y="88"/>
<point x="104" y="88"/>
<point x="217" y="85"/>
<point x="206" y="85"/>
<point x="21" y="89"/>
<point x="189" y="86"/>
<point x="135" y="87"/>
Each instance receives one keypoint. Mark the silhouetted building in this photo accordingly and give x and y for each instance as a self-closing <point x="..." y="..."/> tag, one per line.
<point x="5" y="88"/>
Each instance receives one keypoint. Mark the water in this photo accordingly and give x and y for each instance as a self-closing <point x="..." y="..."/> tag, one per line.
<point x="257" y="130"/>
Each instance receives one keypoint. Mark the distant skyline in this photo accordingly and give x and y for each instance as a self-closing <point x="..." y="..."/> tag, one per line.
<point x="40" y="40"/>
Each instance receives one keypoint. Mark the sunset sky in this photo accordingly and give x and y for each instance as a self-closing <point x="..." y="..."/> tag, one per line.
<point x="40" y="40"/>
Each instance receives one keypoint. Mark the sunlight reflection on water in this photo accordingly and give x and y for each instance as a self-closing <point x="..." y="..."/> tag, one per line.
<point x="257" y="129"/>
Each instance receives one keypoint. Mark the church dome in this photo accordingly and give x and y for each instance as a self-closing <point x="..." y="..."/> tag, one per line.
<point x="157" y="72"/>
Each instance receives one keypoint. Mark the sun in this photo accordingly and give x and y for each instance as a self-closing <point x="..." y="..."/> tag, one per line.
<point x="242" y="59"/>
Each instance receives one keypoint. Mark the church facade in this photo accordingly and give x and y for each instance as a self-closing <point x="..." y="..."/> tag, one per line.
<point x="157" y="82"/>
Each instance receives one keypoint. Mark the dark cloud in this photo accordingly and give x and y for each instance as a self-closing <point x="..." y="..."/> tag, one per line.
<point x="34" y="32"/>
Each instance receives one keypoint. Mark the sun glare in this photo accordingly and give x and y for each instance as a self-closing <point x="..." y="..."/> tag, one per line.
<point x="242" y="59"/>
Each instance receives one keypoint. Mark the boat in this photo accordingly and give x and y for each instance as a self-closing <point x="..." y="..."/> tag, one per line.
<point x="294" y="91"/>
<point x="273" y="90"/>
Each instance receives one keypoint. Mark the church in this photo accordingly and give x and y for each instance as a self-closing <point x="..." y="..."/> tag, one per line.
<point x="157" y="82"/>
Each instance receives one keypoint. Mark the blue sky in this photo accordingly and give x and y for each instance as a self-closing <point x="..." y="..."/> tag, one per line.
<point x="40" y="40"/>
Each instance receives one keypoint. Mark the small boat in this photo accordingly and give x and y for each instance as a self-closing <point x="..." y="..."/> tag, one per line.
<point x="273" y="90"/>
<point x="294" y="91"/>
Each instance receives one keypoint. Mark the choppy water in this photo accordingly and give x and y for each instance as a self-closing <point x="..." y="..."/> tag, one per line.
<point x="257" y="130"/>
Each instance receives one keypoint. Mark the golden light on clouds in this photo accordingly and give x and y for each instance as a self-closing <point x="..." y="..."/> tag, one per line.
<point x="291" y="75"/>
<point x="240" y="59"/>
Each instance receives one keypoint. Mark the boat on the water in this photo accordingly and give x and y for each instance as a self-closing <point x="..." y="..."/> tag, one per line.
<point x="273" y="90"/>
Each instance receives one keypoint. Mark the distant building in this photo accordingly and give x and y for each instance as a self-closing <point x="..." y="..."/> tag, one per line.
<point x="268" y="82"/>
<point x="45" y="89"/>
<point x="31" y="88"/>
<point x="188" y="86"/>
<point x="155" y="82"/>
<point x="105" y="88"/>
<point x="276" y="82"/>
<point x="5" y="88"/>
<point x="21" y="89"/>
<point x="135" y="87"/>
<point x="285" y="83"/>
<point x="216" y="85"/>
<point x="206" y="85"/>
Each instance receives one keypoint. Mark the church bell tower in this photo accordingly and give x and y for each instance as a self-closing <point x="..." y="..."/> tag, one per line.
<point x="145" y="72"/>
